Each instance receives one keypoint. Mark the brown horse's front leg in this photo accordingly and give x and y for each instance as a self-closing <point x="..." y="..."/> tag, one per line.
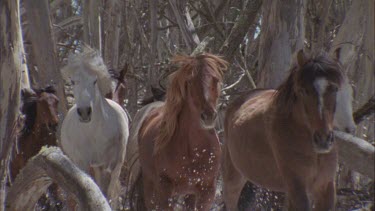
<point x="205" y="197"/>
<point x="296" y="199"/>
<point x="325" y="198"/>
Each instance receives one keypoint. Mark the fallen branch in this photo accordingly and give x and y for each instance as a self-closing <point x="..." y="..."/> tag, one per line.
<point x="356" y="153"/>
<point x="365" y="110"/>
<point x="36" y="176"/>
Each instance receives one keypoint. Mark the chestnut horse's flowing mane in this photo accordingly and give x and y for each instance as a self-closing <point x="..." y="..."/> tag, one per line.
<point x="190" y="67"/>
<point x="304" y="76"/>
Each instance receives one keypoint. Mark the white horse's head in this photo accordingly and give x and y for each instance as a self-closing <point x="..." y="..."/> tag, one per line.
<point x="343" y="119"/>
<point x="90" y="80"/>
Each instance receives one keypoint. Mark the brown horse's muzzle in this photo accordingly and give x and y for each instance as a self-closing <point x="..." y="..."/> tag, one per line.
<point x="208" y="119"/>
<point x="323" y="143"/>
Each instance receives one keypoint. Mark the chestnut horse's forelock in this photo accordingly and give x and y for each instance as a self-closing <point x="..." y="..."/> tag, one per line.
<point x="190" y="67"/>
<point x="301" y="77"/>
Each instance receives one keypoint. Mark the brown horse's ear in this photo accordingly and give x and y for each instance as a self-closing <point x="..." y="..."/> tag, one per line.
<point x="301" y="58"/>
<point x="338" y="53"/>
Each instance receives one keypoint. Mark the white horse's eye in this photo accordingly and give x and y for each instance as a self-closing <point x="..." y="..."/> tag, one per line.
<point x="95" y="81"/>
<point x="73" y="83"/>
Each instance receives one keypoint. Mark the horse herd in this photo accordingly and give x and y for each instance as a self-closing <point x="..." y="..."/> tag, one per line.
<point x="278" y="139"/>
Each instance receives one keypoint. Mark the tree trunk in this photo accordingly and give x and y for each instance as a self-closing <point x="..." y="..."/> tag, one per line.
<point x="240" y="29"/>
<point x="282" y="33"/>
<point x="11" y="66"/>
<point x="44" y="60"/>
<point x="92" y="24"/>
<point x="356" y="40"/>
<point x="113" y="21"/>
<point x="36" y="176"/>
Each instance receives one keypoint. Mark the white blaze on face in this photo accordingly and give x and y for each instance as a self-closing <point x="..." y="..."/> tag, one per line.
<point x="320" y="85"/>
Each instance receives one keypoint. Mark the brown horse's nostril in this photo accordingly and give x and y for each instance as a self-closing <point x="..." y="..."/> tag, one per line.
<point x="79" y="111"/>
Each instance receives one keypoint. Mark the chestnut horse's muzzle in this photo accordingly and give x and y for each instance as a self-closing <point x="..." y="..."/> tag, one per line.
<point x="323" y="143"/>
<point x="84" y="114"/>
<point x="208" y="119"/>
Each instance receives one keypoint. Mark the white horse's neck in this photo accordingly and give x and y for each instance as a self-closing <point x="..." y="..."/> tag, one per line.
<point x="101" y="108"/>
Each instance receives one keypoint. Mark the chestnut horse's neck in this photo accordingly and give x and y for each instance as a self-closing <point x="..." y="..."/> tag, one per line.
<point x="189" y="132"/>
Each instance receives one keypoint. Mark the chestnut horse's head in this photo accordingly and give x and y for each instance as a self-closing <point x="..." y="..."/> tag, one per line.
<point x="317" y="81"/>
<point x="196" y="84"/>
<point x="199" y="83"/>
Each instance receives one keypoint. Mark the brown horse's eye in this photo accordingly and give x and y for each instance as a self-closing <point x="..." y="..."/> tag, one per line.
<point x="333" y="89"/>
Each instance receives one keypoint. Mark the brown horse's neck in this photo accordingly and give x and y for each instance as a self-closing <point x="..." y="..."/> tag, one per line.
<point x="294" y="117"/>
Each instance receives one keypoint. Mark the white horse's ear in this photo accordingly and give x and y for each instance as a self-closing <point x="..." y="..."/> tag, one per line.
<point x="301" y="58"/>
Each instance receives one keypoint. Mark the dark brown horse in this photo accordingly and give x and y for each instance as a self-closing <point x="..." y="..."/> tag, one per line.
<point x="39" y="107"/>
<point x="179" y="150"/>
<point x="119" y="92"/>
<point x="41" y="119"/>
<point x="283" y="139"/>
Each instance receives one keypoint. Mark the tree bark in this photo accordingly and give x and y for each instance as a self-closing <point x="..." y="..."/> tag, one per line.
<point x="356" y="40"/>
<point x="92" y="24"/>
<point x="240" y="29"/>
<point x="44" y="60"/>
<point x="113" y="24"/>
<point x="11" y="66"/>
<point x="282" y="33"/>
<point x="187" y="29"/>
<point x="36" y="176"/>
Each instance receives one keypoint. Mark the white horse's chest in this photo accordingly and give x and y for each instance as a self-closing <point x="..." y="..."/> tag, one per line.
<point x="96" y="143"/>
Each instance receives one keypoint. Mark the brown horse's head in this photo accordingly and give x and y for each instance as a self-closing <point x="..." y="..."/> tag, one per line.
<point x="39" y="107"/>
<point x="47" y="106"/>
<point x="195" y="84"/>
<point x="317" y="82"/>
<point x="314" y="83"/>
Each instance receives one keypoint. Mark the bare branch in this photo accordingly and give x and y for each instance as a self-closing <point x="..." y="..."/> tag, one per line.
<point x="366" y="110"/>
<point x="356" y="153"/>
<point x="35" y="178"/>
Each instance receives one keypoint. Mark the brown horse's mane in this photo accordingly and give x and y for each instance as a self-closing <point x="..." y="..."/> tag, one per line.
<point x="304" y="76"/>
<point x="29" y="101"/>
<point x="190" y="67"/>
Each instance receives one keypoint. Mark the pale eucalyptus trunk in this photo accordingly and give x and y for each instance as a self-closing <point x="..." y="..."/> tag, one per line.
<point x="11" y="66"/>
<point x="282" y="33"/>
<point x="43" y="59"/>
<point x="92" y="24"/>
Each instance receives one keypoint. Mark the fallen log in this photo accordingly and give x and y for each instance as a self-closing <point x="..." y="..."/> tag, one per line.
<point x="50" y="164"/>
<point x="357" y="154"/>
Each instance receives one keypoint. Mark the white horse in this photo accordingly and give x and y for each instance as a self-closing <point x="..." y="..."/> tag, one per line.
<point x="95" y="130"/>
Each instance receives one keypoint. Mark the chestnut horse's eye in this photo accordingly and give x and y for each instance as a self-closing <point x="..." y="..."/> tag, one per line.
<point x="73" y="82"/>
<point x="333" y="88"/>
<point x="95" y="81"/>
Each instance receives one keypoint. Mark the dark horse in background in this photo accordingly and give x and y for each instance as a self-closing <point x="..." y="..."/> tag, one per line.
<point x="39" y="107"/>
<point x="283" y="139"/>
<point x="179" y="151"/>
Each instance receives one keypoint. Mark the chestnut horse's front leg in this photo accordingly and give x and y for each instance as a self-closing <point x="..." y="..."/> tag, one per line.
<point x="205" y="197"/>
<point x="325" y="198"/>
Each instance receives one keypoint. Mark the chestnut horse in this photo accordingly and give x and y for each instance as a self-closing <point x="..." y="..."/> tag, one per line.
<point x="41" y="119"/>
<point x="283" y="139"/>
<point x="179" y="151"/>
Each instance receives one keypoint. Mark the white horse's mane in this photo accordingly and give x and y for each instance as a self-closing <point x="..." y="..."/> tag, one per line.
<point x="88" y="62"/>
